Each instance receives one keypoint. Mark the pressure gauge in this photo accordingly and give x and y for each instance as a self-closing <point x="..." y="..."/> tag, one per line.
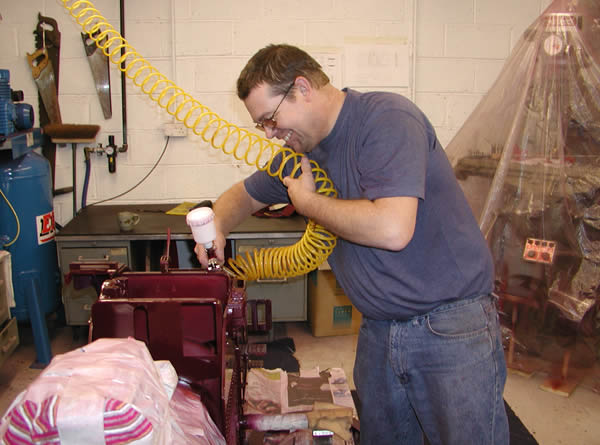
<point x="111" y="155"/>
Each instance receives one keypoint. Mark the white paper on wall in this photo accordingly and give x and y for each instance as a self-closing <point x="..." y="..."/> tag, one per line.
<point x="378" y="63"/>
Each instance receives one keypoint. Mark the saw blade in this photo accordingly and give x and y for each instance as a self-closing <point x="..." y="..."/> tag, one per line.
<point x="100" y="67"/>
<point x="43" y="75"/>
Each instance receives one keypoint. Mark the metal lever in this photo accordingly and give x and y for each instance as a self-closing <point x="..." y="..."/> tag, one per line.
<point x="166" y="258"/>
<point x="213" y="263"/>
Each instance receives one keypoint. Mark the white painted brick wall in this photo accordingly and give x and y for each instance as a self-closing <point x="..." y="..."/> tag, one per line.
<point x="509" y="12"/>
<point x="445" y="75"/>
<point x="140" y="10"/>
<point x="432" y="17"/>
<point x="216" y="74"/>
<point x="434" y="106"/>
<point x="477" y="41"/>
<point x="330" y="33"/>
<point x="8" y="49"/>
<point x="203" y="38"/>
<point x="223" y="10"/>
<point x="150" y="38"/>
<point x="252" y="35"/>
<point x="460" y="47"/>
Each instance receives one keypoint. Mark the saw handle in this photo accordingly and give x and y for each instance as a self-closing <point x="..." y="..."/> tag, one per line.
<point x="88" y="43"/>
<point x="52" y="35"/>
<point x="38" y="61"/>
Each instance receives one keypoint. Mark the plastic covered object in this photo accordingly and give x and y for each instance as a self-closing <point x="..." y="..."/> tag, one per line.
<point x="109" y="391"/>
<point x="528" y="159"/>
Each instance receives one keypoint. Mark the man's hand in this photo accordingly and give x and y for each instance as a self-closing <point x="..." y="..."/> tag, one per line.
<point x="301" y="188"/>
<point x="219" y="249"/>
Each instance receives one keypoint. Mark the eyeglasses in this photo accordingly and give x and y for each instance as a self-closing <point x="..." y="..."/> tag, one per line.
<point x="270" y="122"/>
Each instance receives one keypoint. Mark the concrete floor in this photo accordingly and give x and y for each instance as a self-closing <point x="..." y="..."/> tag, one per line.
<point x="551" y="418"/>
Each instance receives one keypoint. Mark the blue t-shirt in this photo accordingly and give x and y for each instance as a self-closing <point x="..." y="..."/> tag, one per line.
<point x="382" y="145"/>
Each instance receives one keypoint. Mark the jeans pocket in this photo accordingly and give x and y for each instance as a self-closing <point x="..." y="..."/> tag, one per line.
<point x="461" y="321"/>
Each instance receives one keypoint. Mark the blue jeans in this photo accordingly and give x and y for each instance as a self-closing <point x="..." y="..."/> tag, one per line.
<point x="441" y="374"/>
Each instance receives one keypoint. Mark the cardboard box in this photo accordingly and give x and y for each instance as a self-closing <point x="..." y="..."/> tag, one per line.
<point x="329" y="309"/>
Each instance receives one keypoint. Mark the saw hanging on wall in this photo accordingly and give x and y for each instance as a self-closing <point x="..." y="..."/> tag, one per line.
<point x="99" y="65"/>
<point x="44" y="68"/>
<point x="47" y="36"/>
<point x="43" y="75"/>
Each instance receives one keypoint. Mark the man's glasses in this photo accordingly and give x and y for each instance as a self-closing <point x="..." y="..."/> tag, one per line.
<point x="270" y="122"/>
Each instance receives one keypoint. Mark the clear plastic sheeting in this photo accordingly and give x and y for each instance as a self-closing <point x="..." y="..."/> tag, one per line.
<point x="528" y="159"/>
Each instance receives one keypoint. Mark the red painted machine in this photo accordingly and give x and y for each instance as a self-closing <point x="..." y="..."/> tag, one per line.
<point x="195" y="319"/>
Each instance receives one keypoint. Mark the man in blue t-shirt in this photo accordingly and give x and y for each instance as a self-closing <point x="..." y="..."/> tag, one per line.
<point x="410" y="255"/>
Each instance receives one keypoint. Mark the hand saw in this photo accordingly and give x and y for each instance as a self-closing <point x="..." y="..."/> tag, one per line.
<point x="47" y="36"/>
<point x="100" y="67"/>
<point x="43" y="75"/>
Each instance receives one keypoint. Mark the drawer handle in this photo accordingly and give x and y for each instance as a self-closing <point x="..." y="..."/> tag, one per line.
<point x="272" y="281"/>
<point x="9" y="344"/>
<point x="87" y="307"/>
<point x="82" y="258"/>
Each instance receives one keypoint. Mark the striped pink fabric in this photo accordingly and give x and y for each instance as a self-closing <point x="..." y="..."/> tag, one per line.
<point x="33" y="425"/>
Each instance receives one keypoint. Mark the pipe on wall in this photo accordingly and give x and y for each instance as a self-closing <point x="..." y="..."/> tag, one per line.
<point x="123" y="79"/>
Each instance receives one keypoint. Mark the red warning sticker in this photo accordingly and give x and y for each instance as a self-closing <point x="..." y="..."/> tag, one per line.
<point x="539" y="250"/>
<point x="45" y="227"/>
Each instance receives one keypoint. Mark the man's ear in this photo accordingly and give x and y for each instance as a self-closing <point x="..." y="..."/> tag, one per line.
<point x="304" y="87"/>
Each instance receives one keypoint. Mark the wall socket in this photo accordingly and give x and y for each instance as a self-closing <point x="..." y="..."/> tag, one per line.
<point x="175" y="129"/>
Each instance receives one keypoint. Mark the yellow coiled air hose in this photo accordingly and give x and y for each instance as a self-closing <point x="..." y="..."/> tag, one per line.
<point x="280" y="262"/>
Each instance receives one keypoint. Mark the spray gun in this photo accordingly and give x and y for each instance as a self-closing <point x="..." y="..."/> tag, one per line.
<point x="202" y="222"/>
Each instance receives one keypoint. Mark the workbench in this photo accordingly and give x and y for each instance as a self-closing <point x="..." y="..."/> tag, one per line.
<point x="94" y="234"/>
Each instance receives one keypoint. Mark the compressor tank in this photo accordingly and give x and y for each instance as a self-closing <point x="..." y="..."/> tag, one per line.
<point x="26" y="182"/>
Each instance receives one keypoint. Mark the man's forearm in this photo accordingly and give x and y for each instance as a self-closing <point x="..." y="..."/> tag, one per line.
<point x="233" y="207"/>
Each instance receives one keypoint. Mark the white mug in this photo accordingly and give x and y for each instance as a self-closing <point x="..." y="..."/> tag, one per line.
<point x="127" y="220"/>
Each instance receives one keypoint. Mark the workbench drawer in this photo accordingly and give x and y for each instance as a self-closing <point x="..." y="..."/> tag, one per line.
<point x="288" y="295"/>
<point x="69" y="255"/>
<point x="9" y="339"/>
<point x="78" y="302"/>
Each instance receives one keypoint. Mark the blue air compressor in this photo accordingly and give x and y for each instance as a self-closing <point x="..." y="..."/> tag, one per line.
<point x="26" y="209"/>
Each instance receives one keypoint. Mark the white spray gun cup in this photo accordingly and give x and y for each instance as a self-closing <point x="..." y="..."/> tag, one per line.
<point x="202" y="223"/>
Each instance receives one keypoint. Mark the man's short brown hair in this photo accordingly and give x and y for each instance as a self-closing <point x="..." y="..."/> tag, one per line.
<point x="278" y="66"/>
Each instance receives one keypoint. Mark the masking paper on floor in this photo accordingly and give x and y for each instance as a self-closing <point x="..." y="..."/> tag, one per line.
<point x="314" y="400"/>
<point x="107" y="392"/>
<point x="274" y="391"/>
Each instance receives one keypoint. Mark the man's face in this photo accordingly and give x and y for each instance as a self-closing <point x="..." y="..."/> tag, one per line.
<point x="289" y="117"/>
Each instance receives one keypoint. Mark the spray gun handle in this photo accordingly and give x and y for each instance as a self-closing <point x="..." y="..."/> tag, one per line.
<point x="213" y="263"/>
